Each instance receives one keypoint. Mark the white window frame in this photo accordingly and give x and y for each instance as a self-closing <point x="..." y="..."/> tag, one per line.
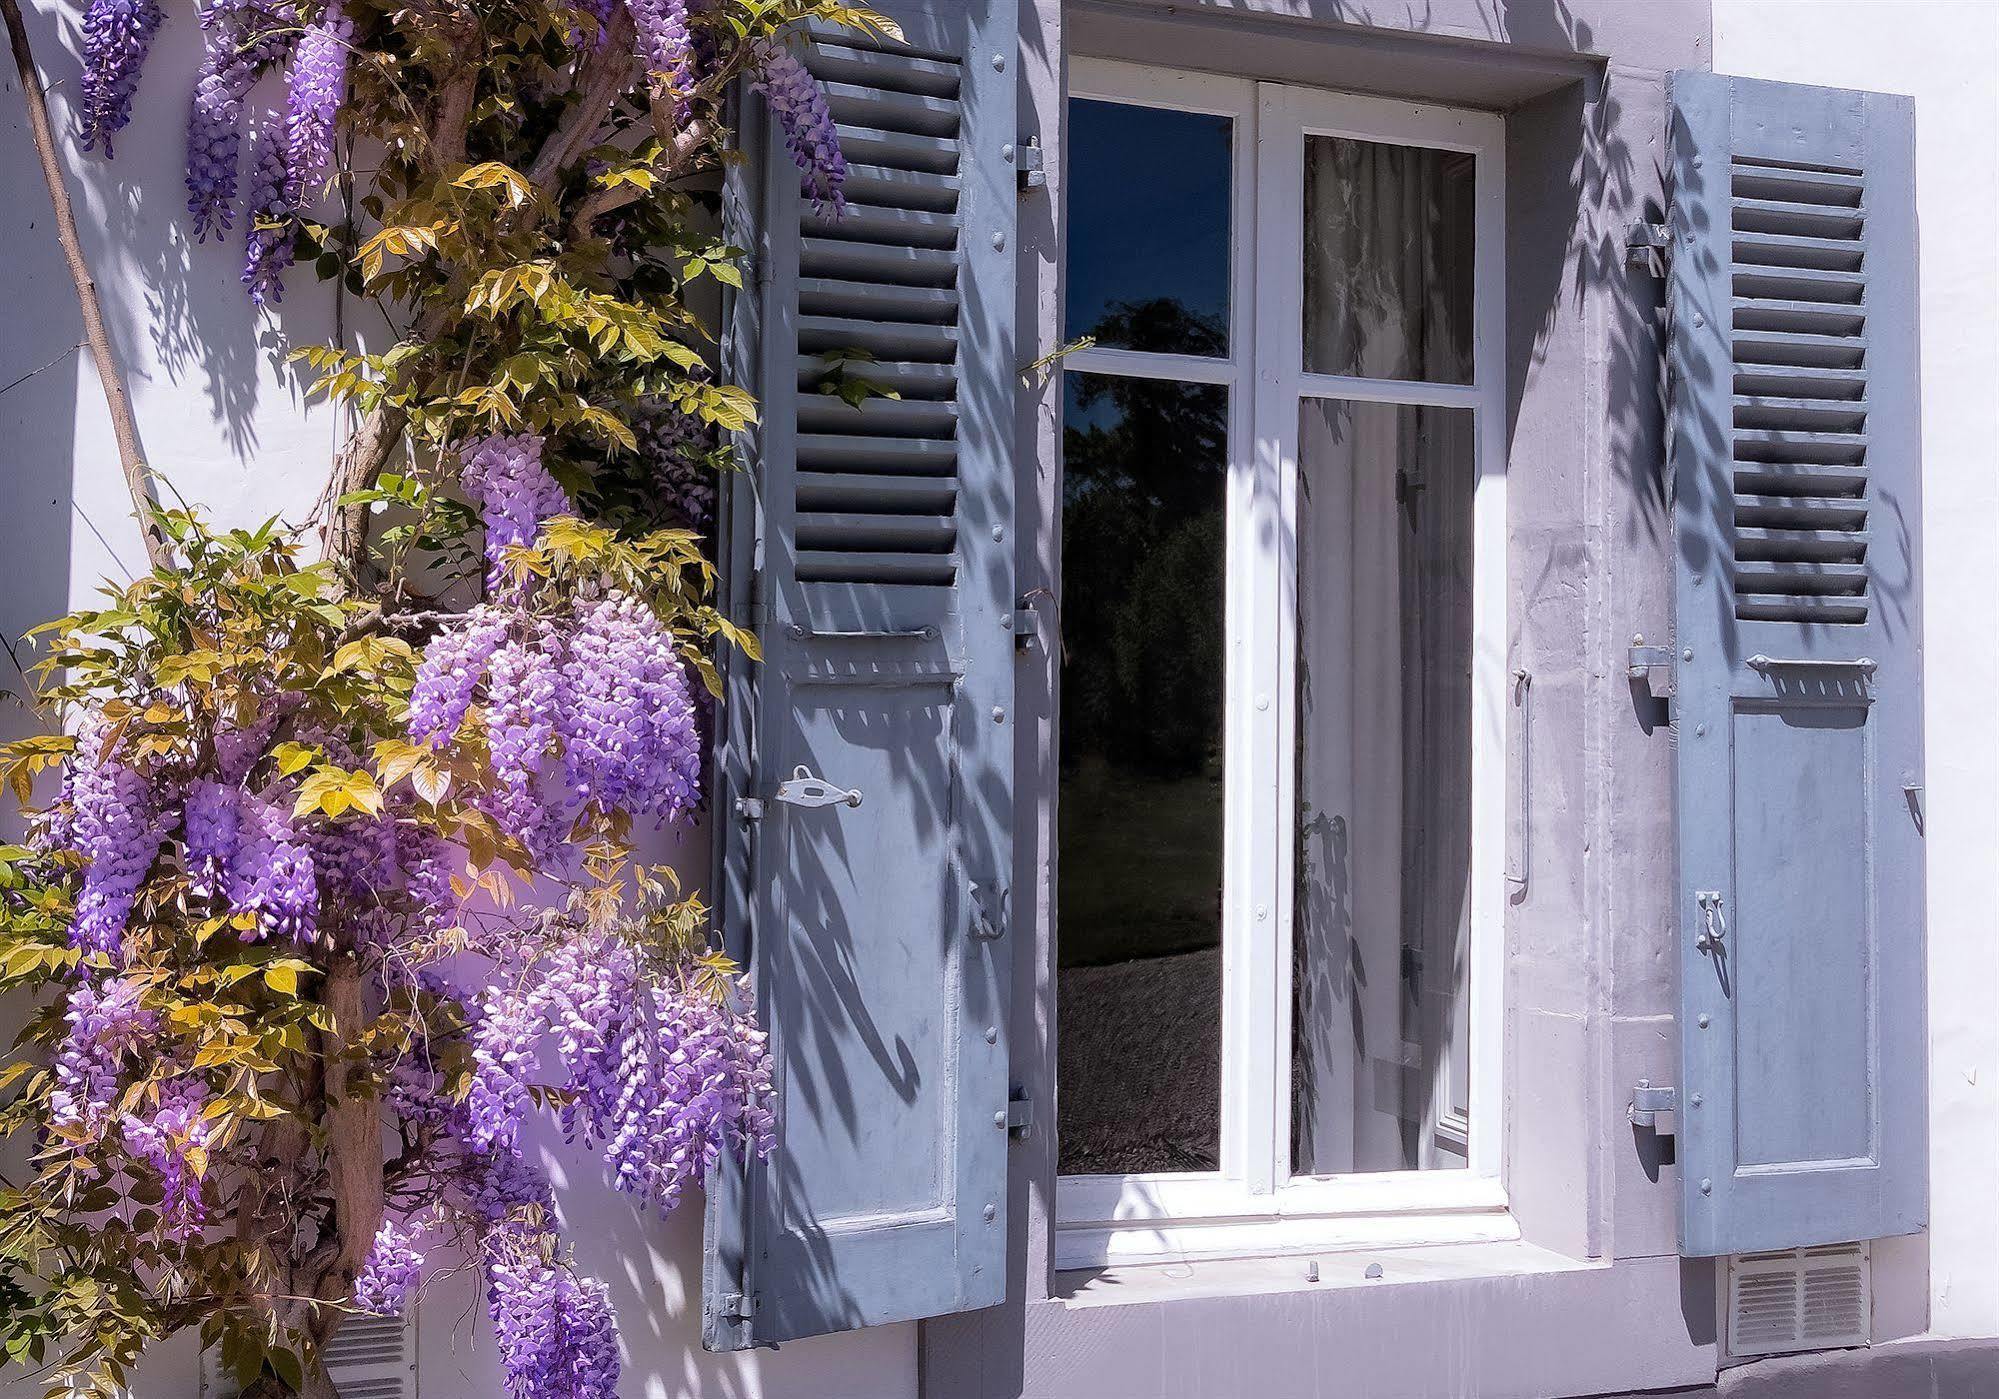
<point x="1252" y="1205"/>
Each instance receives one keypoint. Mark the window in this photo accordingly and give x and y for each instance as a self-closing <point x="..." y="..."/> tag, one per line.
<point x="1280" y="829"/>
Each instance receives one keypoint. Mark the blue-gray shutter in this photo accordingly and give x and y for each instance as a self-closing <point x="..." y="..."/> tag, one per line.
<point x="1798" y="713"/>
<point x="871" y="548"/>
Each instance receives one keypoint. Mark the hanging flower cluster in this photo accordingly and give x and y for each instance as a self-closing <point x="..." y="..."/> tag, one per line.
<point x="678" y="449"/>
<point x="105" y="1025"/>
<point x="587" y="712"/>
<point x="241" y="39"/>
<point x="798" y="104"/>
<point x="116" y="37"/>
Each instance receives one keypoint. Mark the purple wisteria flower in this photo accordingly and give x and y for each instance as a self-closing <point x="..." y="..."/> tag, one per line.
<point x="317" y="85"/>
<point x="267" y="249"/>
<point x="116" y="37"/>
<point x="514" y="492"/>
<point x="453" y="665"/>
<point x="678" y="446"/>
<point x="630" y="736"/>
<point x="665" y="40"/>
<point x="393" y="1269"/>
<point x="554" y="1330"/>
<point x="240" y="39"/>
<point x="798" y="104"/>
<point x="165" y="1140"/>
<point x="106" y="1026"/>
<point x="243" y="851"/>
<point x="115" y="824"/>
<point x="527" y="688"/>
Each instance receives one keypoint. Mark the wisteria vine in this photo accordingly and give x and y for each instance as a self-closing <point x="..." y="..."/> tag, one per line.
<point x="336" y="846"/>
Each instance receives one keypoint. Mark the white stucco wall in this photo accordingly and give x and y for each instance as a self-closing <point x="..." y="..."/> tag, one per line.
<point x="1946" y="54"/>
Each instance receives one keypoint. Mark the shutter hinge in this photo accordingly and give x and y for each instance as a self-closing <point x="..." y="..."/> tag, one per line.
<point x="1654" y="1108"/>
<point x="1650" y="666"/>
<point x="1026" y="625"/>
<point x="1646" y="247"/>
<point x="1028" y="168"/>
<point x="737" y="1307"/>
<point x="1019" y="1116"/>
<point x="750" y="808"/>
<point x="988" y="923"/>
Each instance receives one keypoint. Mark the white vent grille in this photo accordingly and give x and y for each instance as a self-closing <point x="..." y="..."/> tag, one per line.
<point x="368" y="1358"/>
<point x="1800" y="1299"/>
<point x="877" y="483"/>
<point x="1800" y="429"/>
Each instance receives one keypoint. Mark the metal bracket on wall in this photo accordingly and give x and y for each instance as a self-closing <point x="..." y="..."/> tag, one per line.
<point x="1654" y="1108"/>
<point x="1646" y="246"/>
<point x="1652" y="666"/>
<point x="1019" y="1117"/>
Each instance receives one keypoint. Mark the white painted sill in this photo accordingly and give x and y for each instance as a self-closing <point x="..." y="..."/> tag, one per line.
<point x="1120" y="1221"/>
<point x="1127" y="1284"/>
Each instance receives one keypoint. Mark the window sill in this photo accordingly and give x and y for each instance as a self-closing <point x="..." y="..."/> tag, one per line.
<point x="1118" y="1221"/>
<point x="1249" y="1277"/>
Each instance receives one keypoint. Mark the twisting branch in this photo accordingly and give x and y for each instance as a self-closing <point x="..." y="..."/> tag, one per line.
<point x="124" y="427"/>
<point x="604" y="77"/>
<point x="678" y="161"/>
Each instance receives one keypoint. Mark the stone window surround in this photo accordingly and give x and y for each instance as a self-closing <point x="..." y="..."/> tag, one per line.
<point x="1593" y="1298"/>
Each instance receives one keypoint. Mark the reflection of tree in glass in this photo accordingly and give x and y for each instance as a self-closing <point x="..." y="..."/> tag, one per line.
<point x="1162" y="325"/>
<point x="1146" y="468"/>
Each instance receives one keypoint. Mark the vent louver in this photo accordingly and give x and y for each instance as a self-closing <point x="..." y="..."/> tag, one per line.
<point x="1800" y="408"/>
<point x="1800" y="1299"/>
<point x="878" y="293"/>
<point x="369" y="1357"/>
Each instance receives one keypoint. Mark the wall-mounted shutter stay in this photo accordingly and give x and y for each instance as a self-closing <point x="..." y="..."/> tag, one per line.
<point x="872" y="747"/>
<point x="1796" y="665"/>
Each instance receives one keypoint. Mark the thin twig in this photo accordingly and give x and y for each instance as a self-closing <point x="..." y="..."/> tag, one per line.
<point x="124" y="427"/>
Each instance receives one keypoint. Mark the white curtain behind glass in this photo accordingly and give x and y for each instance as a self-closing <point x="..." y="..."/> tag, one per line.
<point x="1380" y="1053"/>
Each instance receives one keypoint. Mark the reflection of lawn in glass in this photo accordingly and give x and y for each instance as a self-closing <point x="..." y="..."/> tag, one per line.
<point x="1141" y="863"/>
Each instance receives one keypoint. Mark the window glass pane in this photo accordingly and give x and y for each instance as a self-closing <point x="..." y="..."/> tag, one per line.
<point x="1148" y="262"/>
<point x="1381" y="1066"/>
<point x="1388" y="261"/>
<point x="1140" y="811"/>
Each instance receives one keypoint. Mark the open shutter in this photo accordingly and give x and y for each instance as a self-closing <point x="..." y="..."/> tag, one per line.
<point x="1798" y="714"/>
<point x="865" y="787"/>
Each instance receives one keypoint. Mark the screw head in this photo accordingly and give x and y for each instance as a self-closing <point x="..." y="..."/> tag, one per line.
<point x="999" y="715"/>
<point x="999" y="532"/>
<point x="1701" y="1020"/>
<point x="992" y="1034"/>
<point x="1006" y="152"/>
<point x="1707" y="1186"/>
<point x="1698" y="1100"/>
<point x="990" y="1212"/>
<point x="999" y="1119"/>
<point x="999" y="63"/>
<point x="1688" y="654"/>
<point x="999" y="241"/>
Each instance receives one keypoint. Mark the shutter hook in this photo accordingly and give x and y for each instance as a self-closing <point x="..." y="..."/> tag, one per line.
<point x="806" y="790"/>
<point x="1714" y="926"/>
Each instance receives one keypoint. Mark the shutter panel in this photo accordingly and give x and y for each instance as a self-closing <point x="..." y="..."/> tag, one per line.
<point x="1798" y="713"/>
<point x="872" y="549"/>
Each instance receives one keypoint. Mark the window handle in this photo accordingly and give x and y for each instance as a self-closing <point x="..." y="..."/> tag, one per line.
<point x="1523" y="696"/>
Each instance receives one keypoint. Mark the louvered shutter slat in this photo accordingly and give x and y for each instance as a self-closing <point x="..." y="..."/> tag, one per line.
<point x="870" y="545"/>
<point x="1797" y="709"/>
